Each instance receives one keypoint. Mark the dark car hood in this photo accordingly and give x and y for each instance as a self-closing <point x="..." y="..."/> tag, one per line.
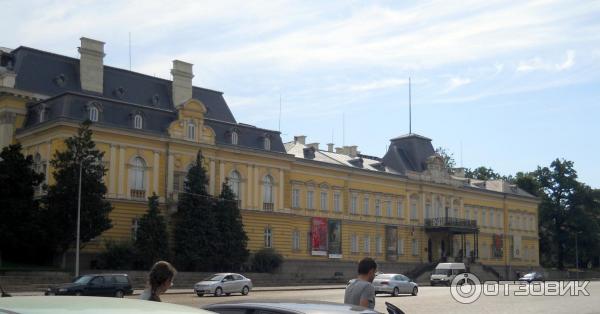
<point x="67" y="286"/>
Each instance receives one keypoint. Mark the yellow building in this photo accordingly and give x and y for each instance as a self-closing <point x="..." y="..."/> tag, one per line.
<point x="327" y="206"/>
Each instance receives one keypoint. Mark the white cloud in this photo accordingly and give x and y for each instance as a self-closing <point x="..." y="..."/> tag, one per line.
<point x="569" y="62"/>
<point x="456" y="82"/>
<point x="537" y="64"/>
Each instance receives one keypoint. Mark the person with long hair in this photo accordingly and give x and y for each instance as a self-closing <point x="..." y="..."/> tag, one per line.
<point x="160" y="279"/>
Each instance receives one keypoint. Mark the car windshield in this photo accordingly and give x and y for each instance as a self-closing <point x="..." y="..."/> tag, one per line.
<point x="83" y="279"/>
<point x="215" y="278"/>
<point x="384" y="277"/>
<point x="442" y="272"/>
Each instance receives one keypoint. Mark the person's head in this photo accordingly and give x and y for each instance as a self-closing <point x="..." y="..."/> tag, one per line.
<point x="367" y="268"/>
<point x="160" y="278"/>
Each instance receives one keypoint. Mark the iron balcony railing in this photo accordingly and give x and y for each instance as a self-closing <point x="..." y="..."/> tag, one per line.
<point x="443" y="222"/>
<point x="268" y="207"/>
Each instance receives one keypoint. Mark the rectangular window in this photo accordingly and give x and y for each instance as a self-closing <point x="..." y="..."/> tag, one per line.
<point x="388" y="208"/>
<point x="354" y="243"/>
<point x="415" y="247"/>
<point x="268" y="237"/>
<point x="400" y="246"/>
<point x="296" y="240"/>
<point x="366" y="206"/>
<point x="336" y="202"/>
<point x="378" y="248"/>
<point x="353" y="204"/>
<point x="413" y="209"/>
<point x="476" y="216"/>
<point x="377" y="207"/>
<point x="400" y="208"/>
<point x="467" y="214"/>
<point x="483" y="218"/>
<point x="367" y="244"/>
<point x="296" y="198"/>
<point x="324" y="201"/>
<point x="492" y="219"/>
<point x="499" y="220"/>
<point x="310" y="195"/>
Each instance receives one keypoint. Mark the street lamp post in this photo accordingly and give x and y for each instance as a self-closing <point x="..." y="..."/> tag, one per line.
<point x="78" y="221"/>
<point x="576" y="257"/>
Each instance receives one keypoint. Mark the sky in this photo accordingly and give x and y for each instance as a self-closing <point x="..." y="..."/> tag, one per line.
<point x="504" y="84"/>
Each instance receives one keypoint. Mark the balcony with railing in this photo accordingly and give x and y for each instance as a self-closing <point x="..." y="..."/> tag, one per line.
<point x="268" y="207"/>
<point x="458" y="225"/>
<point x="137" y="194"/>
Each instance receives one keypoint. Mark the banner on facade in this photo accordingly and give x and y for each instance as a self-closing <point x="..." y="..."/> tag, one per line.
<point x="497" y="246"/>
<point x="319" y="236"/>
<point x="517" y="246"/>
<point x="391" y="243"/>
<point x="334" y="240"/>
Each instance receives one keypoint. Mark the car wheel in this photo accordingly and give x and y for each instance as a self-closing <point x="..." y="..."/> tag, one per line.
<point x="415" y="291"/>
<point x="218" y="292"/>
<point x="200" y="294"/>
<point x="395" y="292"/>
<point x="78" y="293"/>
<point x="227" y="294"/>
<point x="245" y="290"/>
<point x="119" y="294"/>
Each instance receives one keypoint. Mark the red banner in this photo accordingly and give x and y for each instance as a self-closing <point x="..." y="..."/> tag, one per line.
<point x="319" y="236"/>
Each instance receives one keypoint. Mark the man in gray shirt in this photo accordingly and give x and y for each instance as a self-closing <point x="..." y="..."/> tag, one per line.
<point x="361" y="291"/>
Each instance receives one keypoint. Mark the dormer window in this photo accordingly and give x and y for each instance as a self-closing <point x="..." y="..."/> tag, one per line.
<point x="191" y="130"/>
<point x="42" y="114"/>
<point x="93" y="114"/>
<point x="137" y="121"/>
<point x="234" y="138"/>
<point x="267" y="143"/>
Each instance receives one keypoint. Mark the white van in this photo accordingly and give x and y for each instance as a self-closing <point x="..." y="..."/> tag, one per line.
<point x="444" y="273"/>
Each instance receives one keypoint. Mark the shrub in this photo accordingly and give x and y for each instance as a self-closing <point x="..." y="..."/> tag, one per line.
<point x="118" y="256"/>
<point x="266" y="261"/>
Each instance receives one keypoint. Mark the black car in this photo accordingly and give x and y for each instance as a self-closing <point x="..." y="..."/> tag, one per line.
<point x="104" y="285"/>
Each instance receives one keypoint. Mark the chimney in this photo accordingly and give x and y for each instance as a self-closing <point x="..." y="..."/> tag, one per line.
<point x="182" y="82"/>
<point x="7" y="78"/>
<point x="313" y="145"/>
<point x="330" y="147"/>
<point x="300" y="139"/>
<point x="91" y="65"/>
<point x="459" y="172"/>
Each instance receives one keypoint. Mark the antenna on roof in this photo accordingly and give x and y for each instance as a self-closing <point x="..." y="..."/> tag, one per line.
<point x="279" y="127"/>
<point x="409" y="109"/>
<point x="129" y="51"/>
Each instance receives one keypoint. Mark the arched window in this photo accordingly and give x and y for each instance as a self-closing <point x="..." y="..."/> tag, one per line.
<point x="137" y="121"/>
<point x="93" y="114"/>
<point x="137" y="178"/>
<point x="267" y="143"/>
<point x="268" y="193"/>
<point x="235" y="183"/>
<point x="234" y="138"/>
<point x="268" y="237"/>
<point x="191" y="130"/>
<point x="39" y="167"/>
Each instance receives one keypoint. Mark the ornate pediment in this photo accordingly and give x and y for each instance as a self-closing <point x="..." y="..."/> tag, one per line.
<point x="190" y="125"/>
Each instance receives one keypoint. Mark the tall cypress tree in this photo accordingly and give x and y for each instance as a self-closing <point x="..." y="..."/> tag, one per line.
<point x="231" y="249"/>
<point x="19" y="211"/>
<point x="61" y="200"/>
<point x="195" y="232"/>
<point x="151" y="243"/>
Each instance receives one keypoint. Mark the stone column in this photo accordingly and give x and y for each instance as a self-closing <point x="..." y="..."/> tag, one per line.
<point x="48" y="158"/>
<point x="170" y="173"/>
<point x="249" y="186"/>
<point x="280" y="194"/>
<point x="122" y="185"/>
<point x="257" y="186"/>
<point x="423" y="205"/>
<point x="112" y="172"/>
<point x="155" y="171"/>
<point x="211" y="188"/>
<point x="222" y="175"/>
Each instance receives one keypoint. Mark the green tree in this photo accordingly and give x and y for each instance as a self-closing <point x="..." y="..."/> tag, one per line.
<point x="19" y="211"/>
<point x="196" y="236"/>
<point x="528" y="182"/>
<point x="231" y="247"/>
<point x="482" y="173"/>
<point x="152" y="242"/>
<point x="448" y="157"/>
<point x="61" y="200"/>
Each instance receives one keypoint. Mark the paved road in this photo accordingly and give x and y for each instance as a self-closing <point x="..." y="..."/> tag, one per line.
<point x="430" y="300"/>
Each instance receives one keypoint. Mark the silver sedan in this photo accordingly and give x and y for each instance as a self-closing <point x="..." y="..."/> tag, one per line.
<point x="223" y="283"/>
<point x="395" y="284"/>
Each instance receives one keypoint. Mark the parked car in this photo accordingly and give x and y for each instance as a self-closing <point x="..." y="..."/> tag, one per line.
<point x="285" y="307"/>
<point x="223" y="283"/>
<point x="533" y="276"/>
<point x="90" y="305"/>
<point x="353" y="279"/>
<point x="102" y="285"/>
<point x="444" y="273"/>
<point x="395" y="284"/>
